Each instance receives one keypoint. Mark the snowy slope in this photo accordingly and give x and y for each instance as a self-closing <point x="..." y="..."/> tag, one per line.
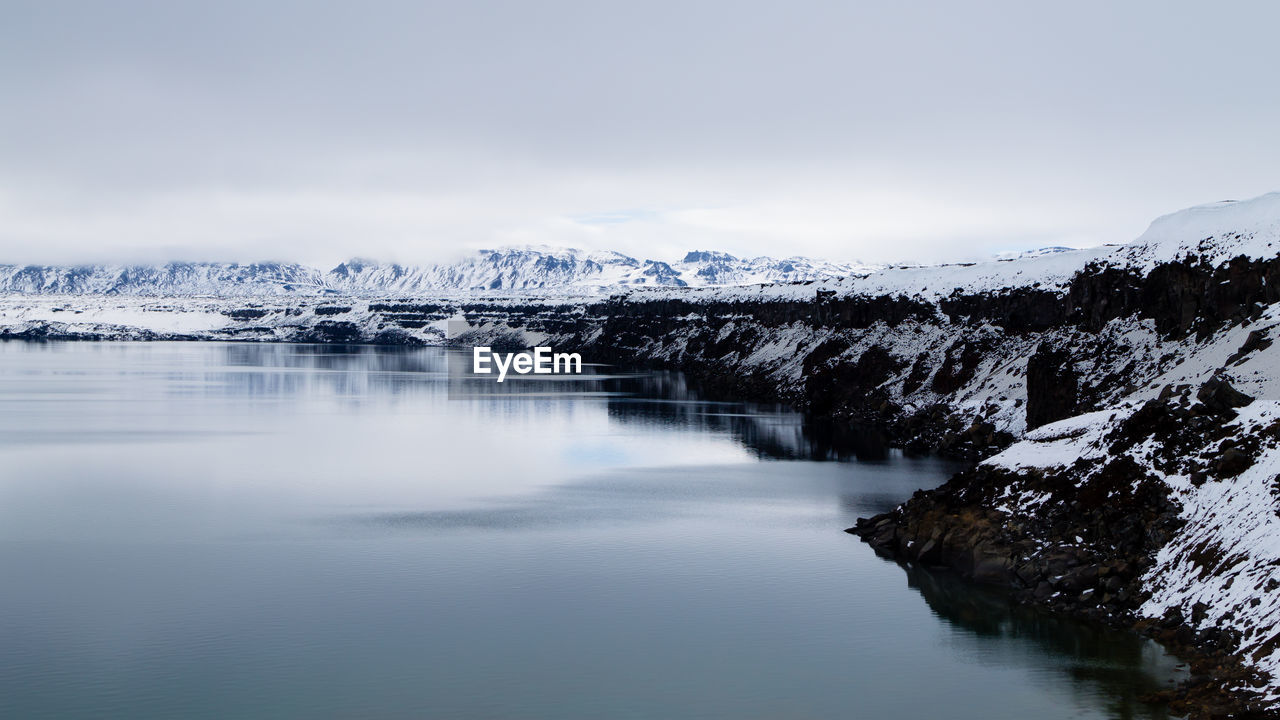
<point x="1215" y="233"/>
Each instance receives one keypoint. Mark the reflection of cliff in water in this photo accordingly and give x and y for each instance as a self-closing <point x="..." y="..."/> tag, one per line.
<point x="274" y="369"/>
<point x="663" y="398"/>
<point x="332" y="357"/>
<point x="667" y="399"/>
<point x="1114" y="668"/>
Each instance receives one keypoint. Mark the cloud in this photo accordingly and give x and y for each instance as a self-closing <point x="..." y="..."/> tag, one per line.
<point x="417" y="130"/>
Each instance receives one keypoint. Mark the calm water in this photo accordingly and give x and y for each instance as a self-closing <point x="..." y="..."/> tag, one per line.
<point x="213" y="531"/>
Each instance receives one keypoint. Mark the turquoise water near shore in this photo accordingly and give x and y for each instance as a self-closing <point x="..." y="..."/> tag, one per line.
<point x="207" y="530"/>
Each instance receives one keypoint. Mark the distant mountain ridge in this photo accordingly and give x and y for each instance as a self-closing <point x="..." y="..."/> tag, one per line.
<point x="539" y="270"/>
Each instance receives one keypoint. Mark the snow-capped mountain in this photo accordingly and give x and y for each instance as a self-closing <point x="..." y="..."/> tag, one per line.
<point x="1038" y="252"/>
<point x="554" y="270"/>
<point x="230" y="279"/>
<point x="540" y="270"/>
<point x="536" y="269"/>
<point x="717" y="268"/>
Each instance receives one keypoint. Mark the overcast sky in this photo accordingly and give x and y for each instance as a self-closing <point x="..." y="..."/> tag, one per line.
<point x="413" y="131"/>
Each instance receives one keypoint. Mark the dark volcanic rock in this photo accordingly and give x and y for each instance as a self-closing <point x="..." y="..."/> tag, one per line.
<point x="1020" y="310"/>
<point x="1092" y="532"/>
<point x="246" y="313"/>
<point x="1052" y="386"/>
<point x="836" y="383"/>
<point x="1181" y="297"/>
<point x="333" y="310"/>
<point x="959" y="367"/>
<point x="331" y="331"/>
<point x="1256" y="341"/>
<point x="1082" y="552"/>
<point x="1218" y="395"/>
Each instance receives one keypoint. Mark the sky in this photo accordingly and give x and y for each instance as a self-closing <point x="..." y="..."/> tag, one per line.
<point x="417" y="131"/>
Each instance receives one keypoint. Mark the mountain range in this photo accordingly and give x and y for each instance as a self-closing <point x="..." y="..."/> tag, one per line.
<point x="539" y="270"/>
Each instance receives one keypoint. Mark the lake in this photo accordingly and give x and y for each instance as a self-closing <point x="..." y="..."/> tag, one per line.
<point x="204" y="530"/>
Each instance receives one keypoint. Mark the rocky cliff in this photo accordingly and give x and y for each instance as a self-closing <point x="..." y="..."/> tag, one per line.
<point x="1125" y="413"/>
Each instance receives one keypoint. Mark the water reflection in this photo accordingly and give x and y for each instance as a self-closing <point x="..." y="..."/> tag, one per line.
<point x="1126" y="666"/>
<point x="201" y="530"/>
<point x="768" y="431"/>
<point x="654" y="398"/>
